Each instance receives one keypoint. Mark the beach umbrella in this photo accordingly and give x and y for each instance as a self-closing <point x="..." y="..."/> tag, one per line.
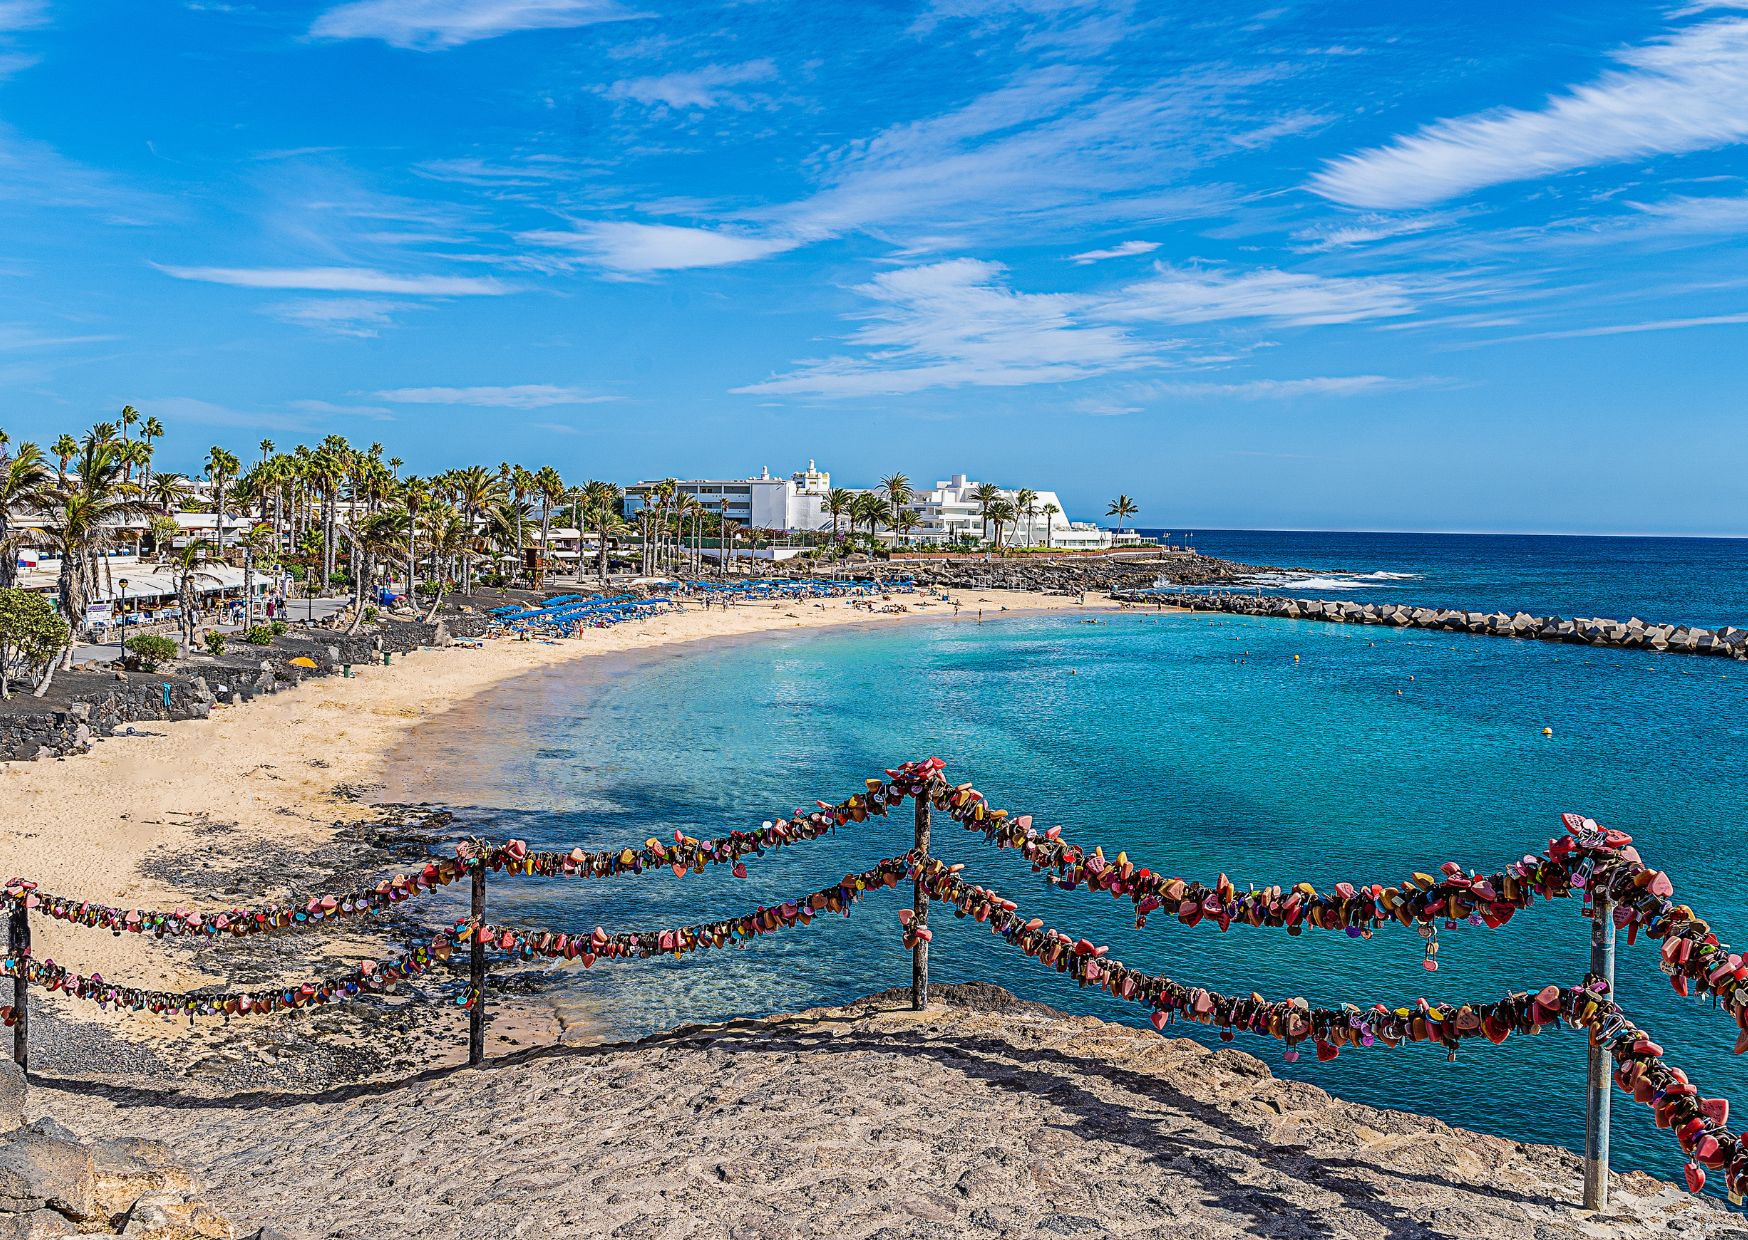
<point x="303" y="660"/>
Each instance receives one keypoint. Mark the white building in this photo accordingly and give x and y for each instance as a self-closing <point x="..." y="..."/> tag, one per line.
<point x="951" y="512"/>
<point x="762" y="503"/>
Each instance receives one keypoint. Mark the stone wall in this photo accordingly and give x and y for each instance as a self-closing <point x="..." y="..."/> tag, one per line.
<point x="29" y="729"/>
<point x="1633" y="634"/>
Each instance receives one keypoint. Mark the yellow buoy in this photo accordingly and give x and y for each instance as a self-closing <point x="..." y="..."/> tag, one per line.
<point x="1547" y="731"/>
<point x="1295" y="658"/>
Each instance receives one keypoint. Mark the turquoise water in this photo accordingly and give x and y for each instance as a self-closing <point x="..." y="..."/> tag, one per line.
<point x="1197" y="744"/>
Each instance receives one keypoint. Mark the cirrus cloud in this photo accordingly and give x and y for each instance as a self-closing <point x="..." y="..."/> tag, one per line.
<point x="1685" y="92"/>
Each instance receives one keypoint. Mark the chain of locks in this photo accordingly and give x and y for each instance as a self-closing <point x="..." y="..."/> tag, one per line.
<point x="1599" y="865"/>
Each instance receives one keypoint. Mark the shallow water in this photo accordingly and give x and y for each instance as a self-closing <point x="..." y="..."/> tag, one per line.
<point x="1196" y="743"/>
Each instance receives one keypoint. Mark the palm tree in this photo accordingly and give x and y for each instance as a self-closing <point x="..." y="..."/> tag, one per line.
<point x="551" y="490"/>
<point x="1001" y="512"/>
<point x="129" y="415"/>
<point x="24" y="483"/>
<point x="150" y="429"/>
<point x="839" y="502"/>
<point x="601" y="509"/>
<point x="258" y="546"/>
<point x="897" y="488"/>
<point x="906" y="521"/>
<point x="415" y="496"/>
<point x="1026" y="505"/>
<point x="871" y="508"/>
<point x="476" y="489"/>
<point x="191" y="562"/>
<point x="85" y="515"/>
<point x="221" y="467"/>
<point x="1120" y="508"/>
<point x="1050" y="511"/>
<point x="65" y="449"/>
<point x="986" y="494"/>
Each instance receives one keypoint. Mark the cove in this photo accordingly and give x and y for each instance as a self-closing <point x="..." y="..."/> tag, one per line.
<point x="1196" y="743"/>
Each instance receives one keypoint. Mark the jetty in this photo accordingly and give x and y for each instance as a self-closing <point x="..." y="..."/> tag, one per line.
<point x="1633" y="634"/>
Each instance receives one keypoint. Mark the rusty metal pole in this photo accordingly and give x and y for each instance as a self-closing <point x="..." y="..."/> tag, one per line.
<point x="18" y="947"/>
<point x="1598" y="1099"/>
<point x="476" y="1015"/>
<point x="919" y="959"/>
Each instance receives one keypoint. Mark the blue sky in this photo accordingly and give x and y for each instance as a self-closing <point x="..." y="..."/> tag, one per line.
<point x="1376" y="266"/>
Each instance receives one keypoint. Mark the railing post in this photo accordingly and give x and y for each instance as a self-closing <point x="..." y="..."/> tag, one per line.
<point x="1598" y="1099"/>
<point x="18" y="947"/>
<point x="476" y="1015"/>
<point x="919" y="958"/>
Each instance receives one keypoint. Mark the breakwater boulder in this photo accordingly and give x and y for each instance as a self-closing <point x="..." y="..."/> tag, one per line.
<point x="1633" y="634"/>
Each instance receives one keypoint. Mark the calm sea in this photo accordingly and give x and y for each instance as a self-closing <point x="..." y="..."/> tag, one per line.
<point x="1199" y="745"/>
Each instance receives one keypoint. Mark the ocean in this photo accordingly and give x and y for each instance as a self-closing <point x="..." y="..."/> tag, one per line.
<point x="1272" y="751"/>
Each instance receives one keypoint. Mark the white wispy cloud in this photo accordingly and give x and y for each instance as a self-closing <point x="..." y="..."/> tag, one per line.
<point x="1298" y="299"/>
<point x="1628" y="329"/>
<point x="1052" y="150"/>
<point x="958" y="324"/>
<point x="193" y="409"/>
<point x="1284" y="389"/>
<point x="706" y="87"/>
<point x="1687" y="91"/>
<point x="1122" y="250"/>
<point x="342" y="280"/>
<point x="629" y="247"/>
<point x="361" y="317"/>
<point x="22" y="14"/>
<point x="432" y="25"/>
<point x="513" y="396"/>
<point x="20" y="336"/>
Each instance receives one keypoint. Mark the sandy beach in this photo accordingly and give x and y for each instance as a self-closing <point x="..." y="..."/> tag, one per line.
<point x="231" y="809"/>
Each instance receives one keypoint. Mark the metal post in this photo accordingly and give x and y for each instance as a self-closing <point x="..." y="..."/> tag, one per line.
<point x="18" y="946"/>
<point x="1598" y="1099"/>
<point x="476" y="1016"/>
<point x="919" y="959"/>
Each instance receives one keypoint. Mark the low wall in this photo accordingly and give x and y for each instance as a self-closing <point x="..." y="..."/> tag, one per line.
<point x="69" y="725"/>
<point x="1633" y="634"/>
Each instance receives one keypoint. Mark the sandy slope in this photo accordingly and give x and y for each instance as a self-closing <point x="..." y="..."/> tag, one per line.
<point x="981" y="1119"/>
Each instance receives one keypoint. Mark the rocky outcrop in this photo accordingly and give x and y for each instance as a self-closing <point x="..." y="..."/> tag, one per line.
<point x="1634" y="634"/>
<point x="1072" y="576"/>
<point x="984" y="1117"/>
<point x="54" y="1184"/>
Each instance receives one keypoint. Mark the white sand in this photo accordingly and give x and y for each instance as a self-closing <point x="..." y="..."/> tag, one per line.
<point x="82" y="826"/>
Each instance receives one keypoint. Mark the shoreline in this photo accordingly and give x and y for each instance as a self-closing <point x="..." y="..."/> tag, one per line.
<point x="276" y="796"/>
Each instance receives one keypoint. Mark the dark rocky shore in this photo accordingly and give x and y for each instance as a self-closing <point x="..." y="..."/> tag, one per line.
<point x="1073" y="575"/>
<point x="88" y="703"/>
<point x="1633" y="634"/>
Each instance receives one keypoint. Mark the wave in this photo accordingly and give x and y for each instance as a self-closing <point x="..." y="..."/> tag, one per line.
<point x="1327" y="581"/>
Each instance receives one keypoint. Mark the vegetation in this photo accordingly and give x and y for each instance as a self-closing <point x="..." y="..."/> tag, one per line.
<point x="215" y="644"/>
<point x="31" y="635"/>
<point x="258" y="635"/>
<point x="148" y="651"/>
<point x="347" y="519"/>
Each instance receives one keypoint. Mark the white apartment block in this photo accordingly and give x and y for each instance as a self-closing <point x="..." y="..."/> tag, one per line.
<point x="762" y="503"/>
<point x="950" y="512"/>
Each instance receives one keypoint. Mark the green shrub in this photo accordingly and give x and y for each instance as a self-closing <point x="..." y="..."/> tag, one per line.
<point x="370" y="614"/>
<point x="258" y="635"/>
<point x="215" y="644"/>
<point x="148" y="651"/>
<point x="279" y="627"/>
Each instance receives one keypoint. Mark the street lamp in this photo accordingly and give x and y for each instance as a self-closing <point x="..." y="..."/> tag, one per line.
<point x="121" y="638"/>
